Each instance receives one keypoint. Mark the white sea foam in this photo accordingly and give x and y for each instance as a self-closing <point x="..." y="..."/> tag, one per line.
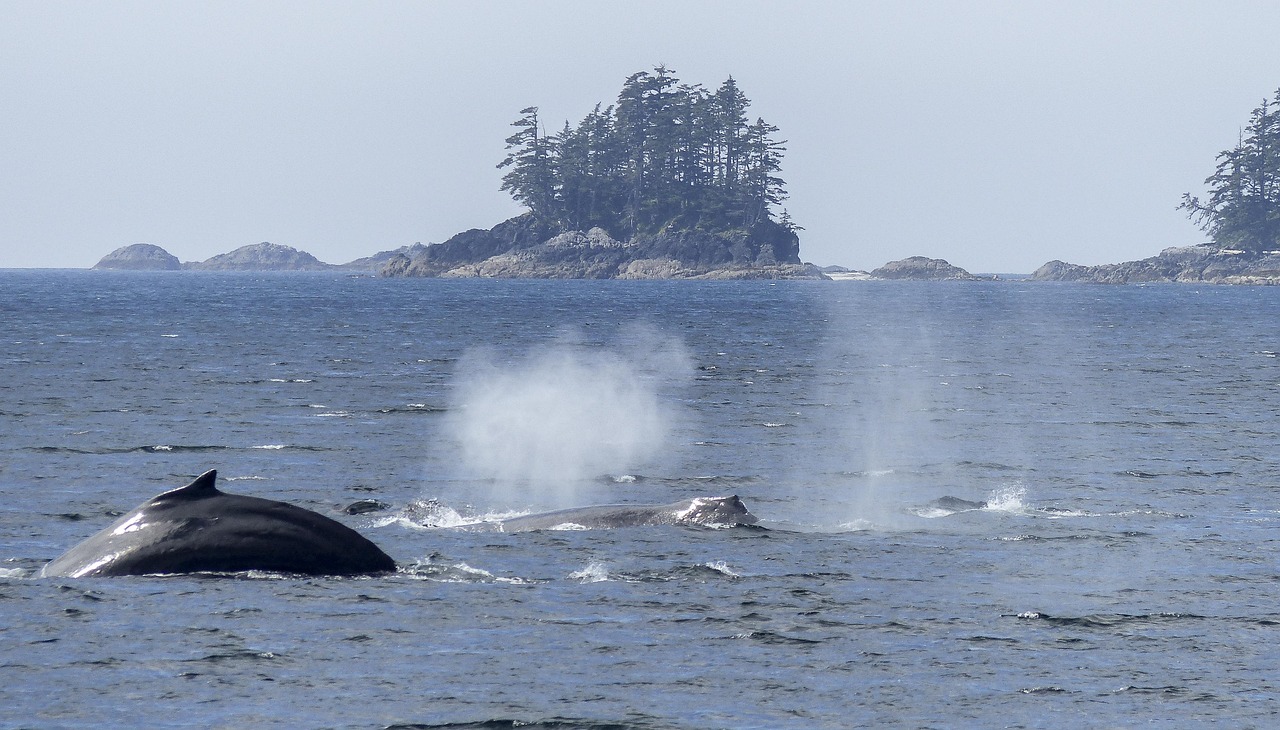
<point x="722" y="567"/>
<point x="593" y="573"/>
<point x="431" y="515"/>
<point x="272" y="447"/>
<point x="1008" y="499"/>
<point x="459" y="573"/>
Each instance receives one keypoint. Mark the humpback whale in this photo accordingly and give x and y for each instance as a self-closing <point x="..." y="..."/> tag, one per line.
<point x="708" y="511"/>
<point x="197" y="528"/>
<point x="956" y="504"/>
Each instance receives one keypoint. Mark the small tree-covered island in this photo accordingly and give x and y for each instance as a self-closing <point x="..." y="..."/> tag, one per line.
<point x="672" y="181"/>
<point x="1241" y="214"/>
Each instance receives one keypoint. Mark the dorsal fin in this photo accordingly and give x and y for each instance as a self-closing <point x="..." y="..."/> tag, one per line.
<point x="200" y="488"/>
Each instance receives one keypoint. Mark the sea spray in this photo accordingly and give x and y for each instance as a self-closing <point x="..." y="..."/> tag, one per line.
<point x="541" y="427"/>
<point x="888" y="408"/>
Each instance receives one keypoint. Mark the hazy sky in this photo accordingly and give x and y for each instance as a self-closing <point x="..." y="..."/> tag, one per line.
<point x="996" y="135"/>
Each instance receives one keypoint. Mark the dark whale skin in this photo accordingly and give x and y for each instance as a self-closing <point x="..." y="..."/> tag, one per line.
<point x="197" y="528"/>
<point x="709" y="511"/>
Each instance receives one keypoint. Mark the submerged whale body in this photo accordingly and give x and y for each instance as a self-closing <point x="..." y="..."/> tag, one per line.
<point x="707" y="511"/>
<point x="956" y="504"/>
<point x="197" y="528"/>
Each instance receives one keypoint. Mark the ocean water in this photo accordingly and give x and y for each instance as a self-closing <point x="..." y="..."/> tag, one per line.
<point x="1119" y="569"/>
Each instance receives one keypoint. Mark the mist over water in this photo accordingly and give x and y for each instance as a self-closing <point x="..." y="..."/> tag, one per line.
<point x="546" y="426"/>
<point x="906" y="403"/>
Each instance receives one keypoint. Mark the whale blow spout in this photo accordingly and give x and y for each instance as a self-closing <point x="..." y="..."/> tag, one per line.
<point x="198" y="528"/>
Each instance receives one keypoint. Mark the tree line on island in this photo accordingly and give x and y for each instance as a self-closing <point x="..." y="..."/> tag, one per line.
<point x="1242" y="209"/>
<point x="666" y="155"/>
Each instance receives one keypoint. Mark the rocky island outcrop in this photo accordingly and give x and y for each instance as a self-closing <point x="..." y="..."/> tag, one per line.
<point x="254" y="257"/>
<point x="1206" y="263"/>
<point x="522" y="248"/>
<point x="674" y="181"/>
<point x="262" y="257"/>
<point x="139" y="257"/>
<point x="1240" y="212"/>
<point x="921" y="268"/>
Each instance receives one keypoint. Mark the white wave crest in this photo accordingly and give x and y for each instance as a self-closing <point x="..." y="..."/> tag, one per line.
<point x="593" y="573"/>
<point x="723" y="568"/>
<point x="459" y="573"/>
<point x="1008" y="499"/>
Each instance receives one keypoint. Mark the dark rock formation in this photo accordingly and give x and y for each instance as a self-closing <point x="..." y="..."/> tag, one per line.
<point x="140" y="257"/>
<point x="262" y="257"/>
<point x="1206" y="263"/>
<point x="378" y="260"/>
<point x="523" y="248"/>
<point x="920" y="268"/>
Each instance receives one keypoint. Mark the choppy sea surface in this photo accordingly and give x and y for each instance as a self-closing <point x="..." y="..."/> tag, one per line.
<point x="1121" y="566"/>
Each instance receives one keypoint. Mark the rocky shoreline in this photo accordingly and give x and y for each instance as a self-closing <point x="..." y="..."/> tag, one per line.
<point x="693" y="255"/>
<point x="520" y="248"/>
<point x="574" y="255"/>
<point x="1203" y="264"/>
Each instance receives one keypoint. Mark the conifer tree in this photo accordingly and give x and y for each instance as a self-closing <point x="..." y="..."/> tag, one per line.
<point x="666" y="155"/>
<point x="530" y="180"/>
<point x="1242" y="210"/>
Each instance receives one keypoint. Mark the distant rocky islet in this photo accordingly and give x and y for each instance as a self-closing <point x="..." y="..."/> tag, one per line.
<point x="510" y="251"/>
<point x="574" y="255"/>
<point x="254" y="257"/>
<point x="521" y="248"/>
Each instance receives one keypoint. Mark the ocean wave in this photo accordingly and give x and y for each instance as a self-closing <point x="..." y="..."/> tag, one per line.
<point x="414" y="408"/>
<point x="168" y="449"/>
<point x="723" y="568"/>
